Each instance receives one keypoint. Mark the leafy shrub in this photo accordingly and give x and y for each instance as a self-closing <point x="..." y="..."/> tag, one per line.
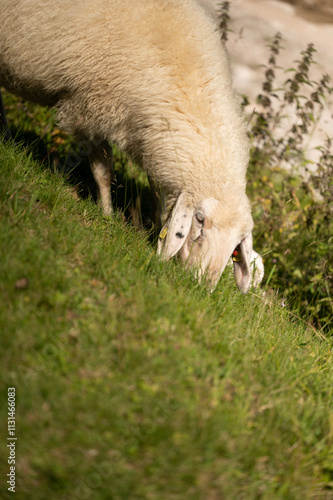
<point x="295" y="232"/>
<point x="292" y="197"/>
<point x="293" y="206"/>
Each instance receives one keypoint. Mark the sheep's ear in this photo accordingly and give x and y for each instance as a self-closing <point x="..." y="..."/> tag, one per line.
<point x="242" y="259"/>
<point x="174" y="233"/>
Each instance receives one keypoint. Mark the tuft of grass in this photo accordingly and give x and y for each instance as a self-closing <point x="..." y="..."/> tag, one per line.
<point x="132" y="381"/>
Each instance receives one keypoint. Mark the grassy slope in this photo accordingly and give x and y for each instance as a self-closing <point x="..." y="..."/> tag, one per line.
<point x="132" y="381"/>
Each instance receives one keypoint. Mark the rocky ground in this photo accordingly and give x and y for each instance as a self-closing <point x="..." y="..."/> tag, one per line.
<point x="254" y="23"/>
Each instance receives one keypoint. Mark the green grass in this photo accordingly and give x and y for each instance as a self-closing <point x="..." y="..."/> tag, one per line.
<point x="132" y="381"/>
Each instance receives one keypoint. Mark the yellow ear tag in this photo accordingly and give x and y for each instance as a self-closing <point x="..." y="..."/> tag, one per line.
<point x="163" y="233"/>
<point x="236" y="256"/>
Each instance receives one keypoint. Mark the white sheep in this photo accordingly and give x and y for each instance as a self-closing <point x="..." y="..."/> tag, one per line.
<point x="152" y="76"/>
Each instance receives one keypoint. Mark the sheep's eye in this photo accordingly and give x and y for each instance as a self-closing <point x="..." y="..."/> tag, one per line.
<point x="200" y="217"/>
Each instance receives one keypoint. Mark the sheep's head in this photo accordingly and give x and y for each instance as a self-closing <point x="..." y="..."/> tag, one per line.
<point x="206" y="234"/>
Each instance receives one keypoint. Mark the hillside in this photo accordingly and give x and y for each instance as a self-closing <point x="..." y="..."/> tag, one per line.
<point x="134" y="382"/>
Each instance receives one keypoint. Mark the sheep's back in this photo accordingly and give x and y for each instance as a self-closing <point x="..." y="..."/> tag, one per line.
<point x="150" y="74"/>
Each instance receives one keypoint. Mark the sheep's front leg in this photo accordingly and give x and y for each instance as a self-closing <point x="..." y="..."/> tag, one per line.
<point x="101" y="166"/>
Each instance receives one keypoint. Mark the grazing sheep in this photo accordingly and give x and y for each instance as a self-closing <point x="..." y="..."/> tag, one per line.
<point x="152" y="76"/>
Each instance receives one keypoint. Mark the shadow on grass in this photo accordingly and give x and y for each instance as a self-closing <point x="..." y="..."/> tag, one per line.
<point x="130" y="194"/>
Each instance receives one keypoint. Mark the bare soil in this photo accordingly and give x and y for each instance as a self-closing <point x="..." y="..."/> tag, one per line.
<point x="300" y="22"/>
